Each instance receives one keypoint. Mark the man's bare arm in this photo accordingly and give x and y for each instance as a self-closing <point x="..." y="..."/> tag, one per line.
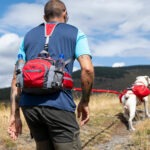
<point x="14" y="96"/>
<point x="15" y="124"/>
<point x="87" y="76"/>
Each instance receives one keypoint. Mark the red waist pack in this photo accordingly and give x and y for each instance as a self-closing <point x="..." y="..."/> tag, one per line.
<point x="35" y="73"/>
<point x="40" y="76"/>
<point x="44" y="75"/>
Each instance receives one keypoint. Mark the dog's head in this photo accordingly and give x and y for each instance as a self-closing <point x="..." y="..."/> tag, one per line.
<point x="143" y="79"/>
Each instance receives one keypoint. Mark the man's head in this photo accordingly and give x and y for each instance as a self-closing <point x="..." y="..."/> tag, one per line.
<point x="55" y="10"/>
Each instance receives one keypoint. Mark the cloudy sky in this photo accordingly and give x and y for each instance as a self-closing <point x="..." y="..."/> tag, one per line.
<point x="118" y="31"/>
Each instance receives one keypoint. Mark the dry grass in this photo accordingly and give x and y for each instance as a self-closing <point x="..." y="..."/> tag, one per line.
<point x="4" y="115"/>
<point x="141" y="137"/>
<point x="103" y="123"/>
<point x="5" y="142"/>
<point x="103" y="110"/>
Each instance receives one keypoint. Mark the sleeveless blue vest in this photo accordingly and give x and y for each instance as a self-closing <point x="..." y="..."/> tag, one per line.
<point x="62" y="41"/>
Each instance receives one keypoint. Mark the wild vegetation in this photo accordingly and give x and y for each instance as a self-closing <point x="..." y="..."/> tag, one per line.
<point x="105" y="130"/>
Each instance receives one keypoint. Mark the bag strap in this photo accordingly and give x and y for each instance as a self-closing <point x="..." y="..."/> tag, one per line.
<point x="69" y="60"/>
<point x="49" y="29"/>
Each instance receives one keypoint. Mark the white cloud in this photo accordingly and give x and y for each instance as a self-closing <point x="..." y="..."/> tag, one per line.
<point x="114" y="27"/>
<point x="22" y="15"/>
<point x="9" y="44"/>
<point x="100" y="15"/>
<point x="5" y="80"/>
<point x="103" y="14"/>
<point x="124" y="47"/>
<point x="118" y="64"/>
<point x="41" y="1"/>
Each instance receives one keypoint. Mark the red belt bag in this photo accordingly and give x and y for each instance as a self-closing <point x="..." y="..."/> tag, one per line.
<point x="67" y="81"/>
<point x="39" y="76"/>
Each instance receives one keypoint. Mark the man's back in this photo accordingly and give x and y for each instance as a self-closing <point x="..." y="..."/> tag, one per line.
<point x="62" y="41"/>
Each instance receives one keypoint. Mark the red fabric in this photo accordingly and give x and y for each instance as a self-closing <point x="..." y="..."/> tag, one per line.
<point x="34" y="73"/>
<point x="98" y="91"/>
<point x="140" y="91"/>
<point x="123" y="93"/>
<point x="49" y="29"/>
<point x="67" y="81"/>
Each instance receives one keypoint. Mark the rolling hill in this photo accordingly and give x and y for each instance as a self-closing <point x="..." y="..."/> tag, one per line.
<point x="114" y="78"/>
<point x="105" y="78"/>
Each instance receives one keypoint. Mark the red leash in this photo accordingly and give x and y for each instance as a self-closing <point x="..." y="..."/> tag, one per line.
<point x="99" y="91"/>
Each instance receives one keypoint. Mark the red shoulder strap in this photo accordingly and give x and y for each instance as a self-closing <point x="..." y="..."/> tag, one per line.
<point x="49" y="28"/>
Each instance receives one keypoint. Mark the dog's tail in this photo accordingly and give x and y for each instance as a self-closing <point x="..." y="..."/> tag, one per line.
<point x="125" y="107"/>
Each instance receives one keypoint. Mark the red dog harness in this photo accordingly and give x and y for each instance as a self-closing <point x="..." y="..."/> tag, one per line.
<point x="139" y="90"/>
<point x="122" y="94"/>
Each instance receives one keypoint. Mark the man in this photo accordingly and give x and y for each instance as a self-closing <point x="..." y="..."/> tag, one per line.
<point x="51" y="118"/>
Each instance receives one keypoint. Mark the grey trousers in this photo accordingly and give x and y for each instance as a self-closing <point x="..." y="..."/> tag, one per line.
<point x="52" y="129"/>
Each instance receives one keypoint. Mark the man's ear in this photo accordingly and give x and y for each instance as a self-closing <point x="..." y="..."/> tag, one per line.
<point x="45" y="18"/>
<point x="65" y="15"/>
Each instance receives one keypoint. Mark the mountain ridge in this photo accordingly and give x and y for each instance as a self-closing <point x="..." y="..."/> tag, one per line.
<point x="117" y="78"/>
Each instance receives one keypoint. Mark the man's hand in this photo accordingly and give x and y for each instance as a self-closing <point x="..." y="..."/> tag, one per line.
<point x="83" y="112"/>
<point x="15" y="127"/>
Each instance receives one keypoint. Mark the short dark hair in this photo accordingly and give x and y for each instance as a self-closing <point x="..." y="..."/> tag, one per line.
<point x="54" y="8"/>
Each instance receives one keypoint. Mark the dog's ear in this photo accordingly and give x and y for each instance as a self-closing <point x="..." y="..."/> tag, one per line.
<point x="147" y="78"/>
<point x="138" y="77"/>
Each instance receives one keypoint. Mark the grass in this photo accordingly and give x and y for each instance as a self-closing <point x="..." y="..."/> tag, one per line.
<point x="141" y="137"/>
<point x="4" y="115"/>
<point x="5" y="142"/>
<point x="103" y="109"/>
<point x="103" y="125"/>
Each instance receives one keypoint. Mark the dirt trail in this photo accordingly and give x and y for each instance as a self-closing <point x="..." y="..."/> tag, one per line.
<point x="119" y="137"/>
<point x="120" y="140"/>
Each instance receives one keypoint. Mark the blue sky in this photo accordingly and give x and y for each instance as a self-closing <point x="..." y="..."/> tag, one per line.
<point x="118" y="31"/>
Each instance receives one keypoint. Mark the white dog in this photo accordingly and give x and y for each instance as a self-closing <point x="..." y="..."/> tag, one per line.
<point x="130" y="100"/>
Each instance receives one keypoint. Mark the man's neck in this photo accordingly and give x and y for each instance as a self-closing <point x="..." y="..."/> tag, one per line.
<point x="61" y="20"/>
